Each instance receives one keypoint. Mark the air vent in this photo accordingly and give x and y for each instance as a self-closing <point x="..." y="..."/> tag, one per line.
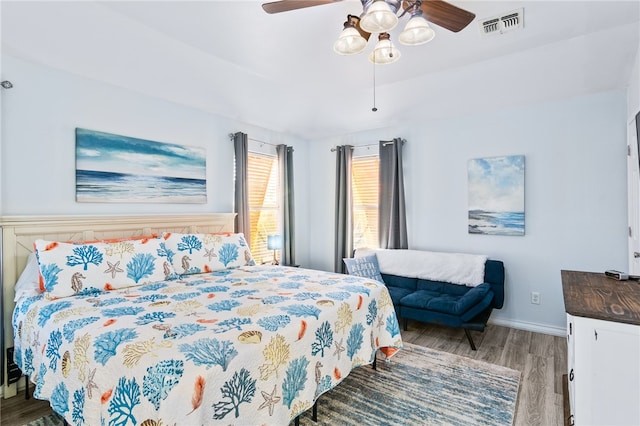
<point x="503" y="23"/>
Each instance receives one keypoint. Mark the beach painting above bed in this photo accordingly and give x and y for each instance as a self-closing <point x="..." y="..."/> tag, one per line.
<point x="120" y="169"/>
<point x="496" y="195"/>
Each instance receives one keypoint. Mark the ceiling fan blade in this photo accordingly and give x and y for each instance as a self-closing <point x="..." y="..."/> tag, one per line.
<point x="287" y="5"/>
<point x="446" y="15"/>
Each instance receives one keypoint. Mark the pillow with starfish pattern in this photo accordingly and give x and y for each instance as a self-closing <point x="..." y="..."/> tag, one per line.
<point x="197" y="253"/>
<point x="67" y="269"/>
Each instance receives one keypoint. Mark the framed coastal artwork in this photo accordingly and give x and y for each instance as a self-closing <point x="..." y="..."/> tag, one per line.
<point x="496" y="195"/>
<point x="120" y="169"/>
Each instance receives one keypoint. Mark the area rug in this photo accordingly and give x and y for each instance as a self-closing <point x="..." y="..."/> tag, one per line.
<point x="49" y="420"/>
<point x="419" y="386"/>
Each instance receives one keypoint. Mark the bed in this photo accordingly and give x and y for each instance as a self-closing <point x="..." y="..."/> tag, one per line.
<point x="235" y="344"/>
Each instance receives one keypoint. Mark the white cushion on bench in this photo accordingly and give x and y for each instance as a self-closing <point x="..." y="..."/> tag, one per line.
<point x="455" y="268"/>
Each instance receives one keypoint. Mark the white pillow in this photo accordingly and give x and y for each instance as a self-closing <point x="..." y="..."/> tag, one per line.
<point x="198" y="253"/>
<point x="70" y="268"/>
<point x="27" y="284"/>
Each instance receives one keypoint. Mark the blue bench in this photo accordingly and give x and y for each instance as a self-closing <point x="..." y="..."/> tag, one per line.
<point x="440" y="302"/>
<point x="448" y="304"/>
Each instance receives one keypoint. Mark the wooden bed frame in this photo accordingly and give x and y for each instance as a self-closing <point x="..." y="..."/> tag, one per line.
<point x="19" y="233"/>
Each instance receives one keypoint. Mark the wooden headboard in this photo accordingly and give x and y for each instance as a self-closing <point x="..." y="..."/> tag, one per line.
<point x="19" y="233"/>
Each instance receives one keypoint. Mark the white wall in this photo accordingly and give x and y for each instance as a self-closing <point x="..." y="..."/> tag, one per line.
<point x="575" y="194"/>
<point x="633" y="108"/>
<point x="41" y="112"/>
<point x="633" y="92"/>
<point x="2" y="95"/>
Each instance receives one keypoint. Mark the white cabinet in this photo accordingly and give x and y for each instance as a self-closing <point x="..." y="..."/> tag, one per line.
<point x="603" y="371"/>
<point x="571" y="363"/>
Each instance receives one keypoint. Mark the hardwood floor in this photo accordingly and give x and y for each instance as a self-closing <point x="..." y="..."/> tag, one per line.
<point x="17" y="411"/>
<point x="541" y="358"/>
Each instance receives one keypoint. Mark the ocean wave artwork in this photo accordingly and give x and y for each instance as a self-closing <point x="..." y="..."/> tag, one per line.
<point x="113" y="168"/>
<point x="496" y="195"/>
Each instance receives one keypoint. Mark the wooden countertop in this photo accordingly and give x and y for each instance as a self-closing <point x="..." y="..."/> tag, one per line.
<point x="593" y="295"/>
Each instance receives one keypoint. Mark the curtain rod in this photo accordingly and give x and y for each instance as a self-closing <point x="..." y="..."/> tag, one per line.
<point x="262" y="142"/>
<point x="384" y="143"/>
<point x="232" y="137"/>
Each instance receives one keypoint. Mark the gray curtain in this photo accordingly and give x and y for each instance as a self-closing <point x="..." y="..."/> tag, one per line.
<point x="392" y="217"/>
<point x="287" y="216"/>
<point x="344" y="207"/>
<point x="241" y="200"/>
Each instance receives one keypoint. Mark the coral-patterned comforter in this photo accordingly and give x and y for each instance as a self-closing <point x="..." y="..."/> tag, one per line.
<point x="246" y="346"/>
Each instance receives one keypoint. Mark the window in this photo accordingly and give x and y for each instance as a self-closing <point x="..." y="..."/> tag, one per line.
<point x="262" y="176"/>
<point x="364" y="184"/>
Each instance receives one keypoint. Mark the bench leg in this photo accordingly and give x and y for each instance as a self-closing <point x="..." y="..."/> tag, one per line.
<point x="314" y="415"/>
<point x="473" y="346"/>
<point x="406" y="324"/>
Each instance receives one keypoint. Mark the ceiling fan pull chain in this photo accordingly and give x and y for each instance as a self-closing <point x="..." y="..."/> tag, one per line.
<point x="374" y="109"/>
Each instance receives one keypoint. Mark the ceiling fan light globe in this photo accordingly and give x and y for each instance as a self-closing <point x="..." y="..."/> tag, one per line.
<point x="384" y="53"/>
<point x="349" y="42"/>
<point x="416" y="32"/>
<point x="379" y="18"/>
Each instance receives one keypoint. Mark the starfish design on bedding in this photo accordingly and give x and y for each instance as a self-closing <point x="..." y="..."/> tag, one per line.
<point x="380" y="321"/>
<point x="270" y="400"/>
<point x="113" y="268"/>
<point x="339" y="347"/>
<point x="209" y="253"/>
<point x="91" y="384"/>
<point x="36" y="340"/>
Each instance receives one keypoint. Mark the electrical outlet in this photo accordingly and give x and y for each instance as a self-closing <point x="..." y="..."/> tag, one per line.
<point x="535" y="297"/>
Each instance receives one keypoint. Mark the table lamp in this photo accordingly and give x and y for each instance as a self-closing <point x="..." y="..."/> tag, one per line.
<point x="274" y="242"/>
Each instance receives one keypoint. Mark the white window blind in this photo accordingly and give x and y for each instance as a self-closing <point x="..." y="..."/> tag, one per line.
<point x="263" y="202"/>
<point x="365" y="187"/>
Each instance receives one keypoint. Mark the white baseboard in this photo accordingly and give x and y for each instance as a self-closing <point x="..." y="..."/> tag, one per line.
<point x="530" y="326"/>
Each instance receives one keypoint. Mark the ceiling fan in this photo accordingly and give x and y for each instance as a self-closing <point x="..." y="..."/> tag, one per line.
<point x="381" y="16"/>
<point x="437" y="12"/>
